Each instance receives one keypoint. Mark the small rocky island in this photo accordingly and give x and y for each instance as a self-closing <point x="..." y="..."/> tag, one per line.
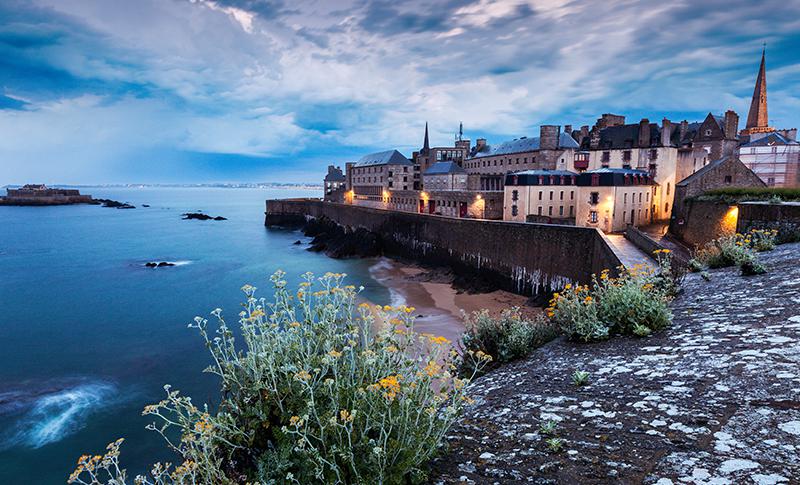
<point x="201" y="217"/>
<point x="40" y="194"/>
<point x="162" y="264"/>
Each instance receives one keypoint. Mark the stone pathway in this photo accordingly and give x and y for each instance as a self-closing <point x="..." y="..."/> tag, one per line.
<point x="715" y="399"/>
<point x="626" y="251"/>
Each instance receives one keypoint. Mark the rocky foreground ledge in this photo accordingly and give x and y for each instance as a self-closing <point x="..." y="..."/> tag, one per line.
<point x="713" y="400"/>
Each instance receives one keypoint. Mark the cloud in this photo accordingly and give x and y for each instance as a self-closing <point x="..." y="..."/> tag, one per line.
<point x="93" y="85"/>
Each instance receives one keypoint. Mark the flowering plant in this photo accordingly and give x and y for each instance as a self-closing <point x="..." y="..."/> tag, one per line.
<point x="317" y="394"/>
<point x="633" y="303"/>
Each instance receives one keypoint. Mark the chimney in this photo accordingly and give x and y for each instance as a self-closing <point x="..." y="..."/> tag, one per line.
<point x="644" y="133"/>
<point x="568" y="129"/>
<point x="684" y="129"/>
<point x="666" y="132"/>
<point x="594" y="140"/>
<point x="548" y="137"/>
<point x="731" y="124"/>
<point x="584" y="132"/>
<point x="480" y="144"/>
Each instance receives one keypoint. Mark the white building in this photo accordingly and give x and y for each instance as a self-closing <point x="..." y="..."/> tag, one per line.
<point x="774" y="157"/>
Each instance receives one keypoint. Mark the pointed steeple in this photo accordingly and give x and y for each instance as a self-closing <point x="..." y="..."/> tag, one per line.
<point x="426" y="147"/>
<point x="757" y="118"/>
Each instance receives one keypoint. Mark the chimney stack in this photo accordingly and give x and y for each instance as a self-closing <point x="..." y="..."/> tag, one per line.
<point x="731" y="124"/>
<point x="594" y="138"/>
<point x="568" y="129"/>
<point x="644" y="133"/>
<point x="548" y="137"/>
<point x="684" y="129"/>
<point x="666" y="132"/>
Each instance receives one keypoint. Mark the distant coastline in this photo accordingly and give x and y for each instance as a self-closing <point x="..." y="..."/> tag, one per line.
<point x="232" y="185"/>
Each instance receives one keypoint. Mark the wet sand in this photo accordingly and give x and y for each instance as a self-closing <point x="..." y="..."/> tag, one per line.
<point x="438" y="305"/>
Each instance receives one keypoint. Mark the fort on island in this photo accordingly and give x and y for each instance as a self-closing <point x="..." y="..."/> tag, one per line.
<point x="611" y="179"/>
<point x="40" y="194"/>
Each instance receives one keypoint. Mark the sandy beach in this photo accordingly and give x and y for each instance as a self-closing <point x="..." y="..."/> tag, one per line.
<point x="438" y="305"/>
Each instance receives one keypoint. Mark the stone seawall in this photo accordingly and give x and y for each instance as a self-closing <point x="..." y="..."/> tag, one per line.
<point x="523" y="258"/>
<point x="784" y="217"/>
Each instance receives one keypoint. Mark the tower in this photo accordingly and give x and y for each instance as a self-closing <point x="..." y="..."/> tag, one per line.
<point x="757" y="119"/>
<point x="426" y="148"/>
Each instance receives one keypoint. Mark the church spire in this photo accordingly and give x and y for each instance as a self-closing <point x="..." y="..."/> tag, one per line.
<point x="757" y="119"/>
<point x="426" y="147"/>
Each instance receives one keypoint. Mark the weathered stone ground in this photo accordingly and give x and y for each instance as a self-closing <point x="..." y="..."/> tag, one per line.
<point x="713" y="400"/>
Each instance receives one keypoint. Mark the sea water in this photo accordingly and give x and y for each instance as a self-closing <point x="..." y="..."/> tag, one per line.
<point x="89" y="335"/>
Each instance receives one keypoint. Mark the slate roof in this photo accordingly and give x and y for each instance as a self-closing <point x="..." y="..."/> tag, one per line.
<point x="623" y="171"/>
<point x="545" y="172"/>
<point x="389" y="157"/>
<point x="521" y="145"/>
<point x="442" y="168"/>
<point x="769" y="140"/>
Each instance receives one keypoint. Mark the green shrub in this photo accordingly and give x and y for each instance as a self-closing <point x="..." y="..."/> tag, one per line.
<point x="313" y="396"/>
<point x="554" y="445"/>
<point x="738" y="250"/>
<point x="623" y="305"/>
<point x="740" y="194"/>
<point x="548" y="427"/>
<point x="580" y="378"/>
<point x="505" y="338"/>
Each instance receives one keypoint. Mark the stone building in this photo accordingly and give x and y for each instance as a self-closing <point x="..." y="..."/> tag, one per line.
<point x="642" y="146"/>
<point x="427" y="155"/>
<point x="668" y="151"/>
<point x="40" y="194"/>
<point x="444" y="176"/>
<point x="334" y="184"/>
<point x="544" y="196"/>
<point x="488" y="165"/>
<point x="611" y="198"/>
<point x="726" y="172"/>
<point x="374" y="176"/>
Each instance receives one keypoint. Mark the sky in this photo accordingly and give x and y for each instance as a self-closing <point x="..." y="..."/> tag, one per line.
<point x="172" y="91"/>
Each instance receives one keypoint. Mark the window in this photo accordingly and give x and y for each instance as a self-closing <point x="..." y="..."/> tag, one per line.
<point x="540" y="195"/>
<point x="594" y="198"/>
<point x="550" y="211"/>
<point x="515" y="195"/>
<point x="551" y="195"/>
<point x="606" y="158"/>
<point x="708" y="132"/>
<point x="666" y="208"/>
<point x="625" y="198"/>
<point x="561" y="210"/>
<point x="653" y="154"/>
<point x="593" y="216"/>
<point x="571" y="195"/>
<point x="624" y="213"/>
<point x="728" y="179"/>
<point x="667" y="189"/>
<point x="514" y="210"/>
<point x="626" y="156"/>
<point x="561" y="195"/>
<point x="571" y="210"/>
<point x="540" y="210"/>
<point x="640" y="197"/>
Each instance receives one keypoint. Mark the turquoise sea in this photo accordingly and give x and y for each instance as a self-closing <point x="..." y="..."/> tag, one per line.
<point x="89" y="336"/>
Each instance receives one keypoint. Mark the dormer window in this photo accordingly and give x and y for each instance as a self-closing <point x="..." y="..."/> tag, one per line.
<point x="708" y="132"/>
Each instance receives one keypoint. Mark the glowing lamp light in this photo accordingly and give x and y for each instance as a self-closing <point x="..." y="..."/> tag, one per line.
<point x="478" y="197"/>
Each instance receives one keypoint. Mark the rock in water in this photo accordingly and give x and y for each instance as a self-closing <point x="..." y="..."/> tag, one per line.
<point x="201" y="217"/>
<point x="162" y="264"/>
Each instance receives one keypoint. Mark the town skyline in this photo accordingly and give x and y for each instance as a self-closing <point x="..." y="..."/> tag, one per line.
<point x="86" y="101"/>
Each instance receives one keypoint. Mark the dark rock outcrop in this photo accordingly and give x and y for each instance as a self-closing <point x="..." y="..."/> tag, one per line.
<point x="115" y="204"/>
<point x="162" y="264"/>
<point x="201" y="217"/>
<point x="335" y="242"/>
